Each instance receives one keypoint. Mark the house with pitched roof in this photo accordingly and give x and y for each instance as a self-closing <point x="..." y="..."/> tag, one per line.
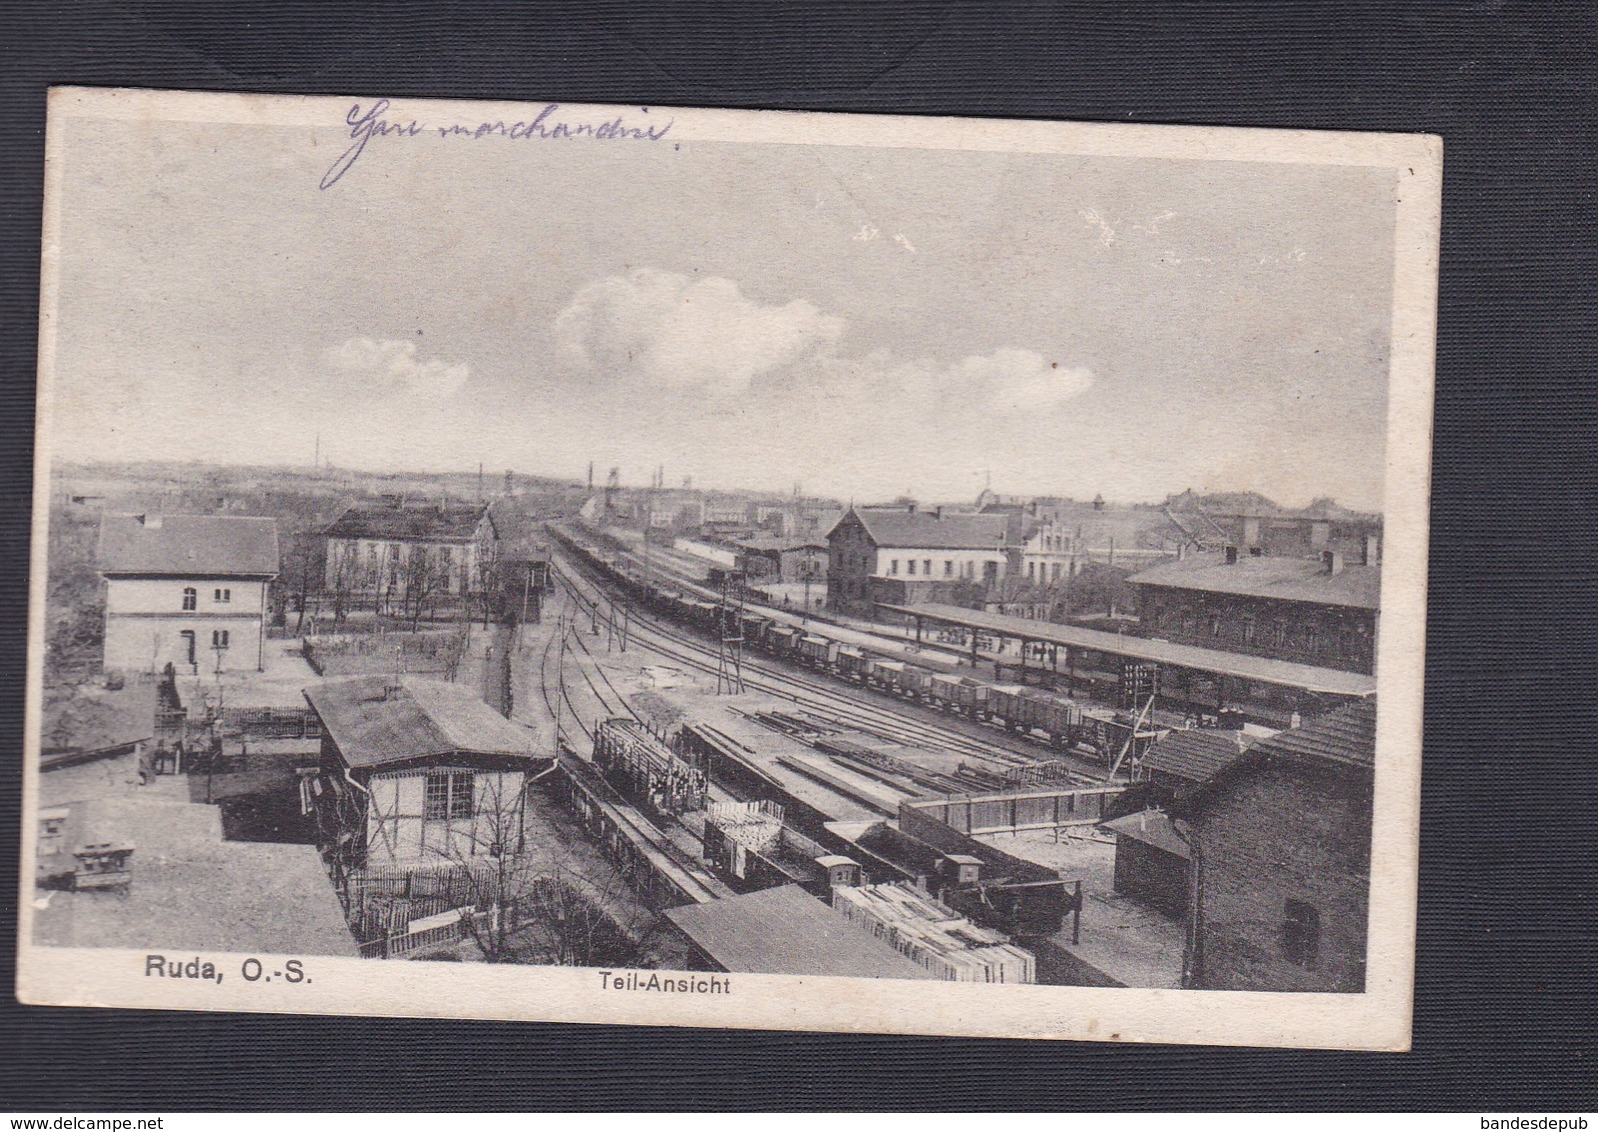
<point x="395" y="548"/>
<point x="908" y="555"/>
<point x="417" y="774"/>
<point x="186" y="590"/>
<point x="1279" y="845"/>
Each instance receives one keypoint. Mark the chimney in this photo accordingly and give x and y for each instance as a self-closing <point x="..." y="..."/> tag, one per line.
<point x="1231" y="555"/>
<point x="1331" y="562"/>
<point x="911" y="507"/>
<point x="1370" y="550"/>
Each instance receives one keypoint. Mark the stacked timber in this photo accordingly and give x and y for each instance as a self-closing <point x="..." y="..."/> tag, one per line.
<point x="944" y="942"/>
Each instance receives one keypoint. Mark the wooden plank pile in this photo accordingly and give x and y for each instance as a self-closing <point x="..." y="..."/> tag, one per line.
<point x="944" y="942"/>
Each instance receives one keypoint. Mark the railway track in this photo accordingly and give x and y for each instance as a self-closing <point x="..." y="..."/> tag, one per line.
<point x="818" y="696"/>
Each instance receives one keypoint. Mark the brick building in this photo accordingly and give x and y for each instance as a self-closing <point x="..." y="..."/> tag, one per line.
<point x="907" y="556"/>
<point x="1280" y="845"/>
<point x="1318" y="611"/>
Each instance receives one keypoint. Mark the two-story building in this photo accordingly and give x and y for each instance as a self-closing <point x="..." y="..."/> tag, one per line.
<point x="186" y="590"/>
<point x="907" y="555"/>
<point x="385" y="548"/>
<point x="1319" y="611"/>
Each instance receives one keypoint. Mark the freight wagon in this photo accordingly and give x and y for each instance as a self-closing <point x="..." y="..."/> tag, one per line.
<point x="782" y="640"/>
<point x="818" y="652"/>
<point x="755" y="629"/>
<point x="851" y="664"/>
<point x="882" y="673"/>
<point x="914" y="682"/>
<point x="959" y="694"/>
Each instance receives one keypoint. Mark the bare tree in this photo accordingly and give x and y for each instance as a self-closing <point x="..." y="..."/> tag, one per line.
<point x="424" y="577"/>
<point x="344" y="573"/>
<point x="538" y="903"/>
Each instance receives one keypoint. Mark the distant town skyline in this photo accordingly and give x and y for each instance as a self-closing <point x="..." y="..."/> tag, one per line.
<point x="867" y="322"/>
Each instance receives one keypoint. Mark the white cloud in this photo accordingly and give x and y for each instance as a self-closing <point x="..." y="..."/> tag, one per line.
<point x="1020" y="381"/>
<point x="391" y="368"/>
<point x="670" y="330"/>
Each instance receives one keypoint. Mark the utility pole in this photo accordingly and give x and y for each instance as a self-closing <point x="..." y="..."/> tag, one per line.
<point x="730" y="639"/>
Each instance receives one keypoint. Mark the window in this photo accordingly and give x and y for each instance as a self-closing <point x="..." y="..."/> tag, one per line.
<point x="1056" y="572"/>
<point x="927" y="567"/>
<point x="223" y="596"/>
<point x="911" y="568"/>
<point x="1031" y="571"/>
<point x="1301" y="934"/>
<point x="1279" y="634"/>
<point x="893" y="566"/>
<point x="1312" y="639"/>
<point x="219" y="638"/>
<point x="948" y="568"/>
<point x="191" y="599"/>
<point x="1248" y="630"/>
<point x="448" y="794"/>
<point x="1215" y="624"/>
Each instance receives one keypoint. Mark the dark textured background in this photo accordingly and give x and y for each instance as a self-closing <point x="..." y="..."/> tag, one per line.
<point x="1505" y="999"/>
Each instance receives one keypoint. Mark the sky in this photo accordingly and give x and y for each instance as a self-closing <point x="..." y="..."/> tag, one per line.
<point x="860" y="322"/>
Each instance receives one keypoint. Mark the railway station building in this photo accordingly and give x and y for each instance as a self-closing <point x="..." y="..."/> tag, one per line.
<point x="906" y="556"/>
<point x="1319" y="611"/>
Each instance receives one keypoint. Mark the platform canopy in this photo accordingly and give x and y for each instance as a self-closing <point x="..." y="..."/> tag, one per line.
<point x="1282" y="673"/>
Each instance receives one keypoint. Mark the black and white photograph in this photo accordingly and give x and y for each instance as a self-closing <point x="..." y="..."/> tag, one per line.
<point x="646" y="564"/>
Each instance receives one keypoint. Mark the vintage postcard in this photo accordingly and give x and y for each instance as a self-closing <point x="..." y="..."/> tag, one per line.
<point x="640" y="564"/>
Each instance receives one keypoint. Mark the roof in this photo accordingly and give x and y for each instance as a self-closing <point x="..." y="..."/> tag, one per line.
<point x="96" y="719"/>
<point x="1346" y="736"/>
<point x="188" y="545"/>
<point x="410" y="523"/>
<point x="422" y="719"/>
<point x="786" y="931"/>
<point x="1152" y="828"/>
<point x="772" y="542"/>
<point x="192" y="891"/>
<point x="1281" y="673"/>
<point x="1196" y="755"/>
<point x="1343" y="740"/>
<point x="900" y="527"/>
<point x="1282" y="579"/>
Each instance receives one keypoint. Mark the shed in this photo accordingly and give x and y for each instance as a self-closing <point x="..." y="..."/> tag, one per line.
<point x="1151" y="861"/>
